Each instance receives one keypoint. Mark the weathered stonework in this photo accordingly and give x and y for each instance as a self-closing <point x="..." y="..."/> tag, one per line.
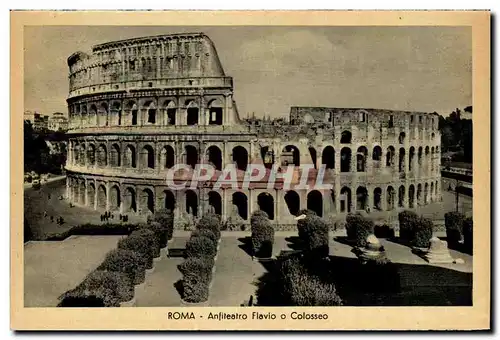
<point x="138" y="107"/>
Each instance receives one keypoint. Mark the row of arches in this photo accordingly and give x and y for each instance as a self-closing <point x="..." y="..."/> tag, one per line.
<point x="91" y="155"/>
<point x="114" y="114"/>
<point x="346" y="137"/>
<point x="144" y="201"/>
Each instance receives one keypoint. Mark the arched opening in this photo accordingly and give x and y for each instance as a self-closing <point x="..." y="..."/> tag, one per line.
<point x="170" y="112"/>
<point x="401" y="138"/>
<point x="433" y="158"/>
<point x="290" y="155"/>
<point x="401" y="196"/>
<point x="345" y="160"/>
<point x="93" y="114"/>
<point x="148" y="201"/>
<point x="130" y="157"/>
<point x="292" y="201"/>
<point x="390" y="156"/>
<point x="191" y="156"/>
<point x="148" y="157"/>
<point x="169" y="200"/>
<point x="85" y="117"/>
<point x="132" y="108"/>
<point x="240" y="202"/>
<point x="419" y="194"/>
<point x="267" y="156"/>
<point x="82" y="301"/>
<point x="315" y="202"/>
<point x="328" y="157"/>
<point x="377" y="156"/>
<point x="420" y="157"/>
<point x="81" y="192"/>
<point x="361" y="156"/>
<point x="192" y="113"/>
<point x="401" y="160"/>
<point x="377" y="199"/>
<point x="76" y="154"/>
<point x="102" y="156"/>
<point x="192" y="203"/>
<point x="436" y="191"/>
<point x="167" y="157"/>
<point x="215" y="202"/>
<point x="91" y="195"/>
<point x="314" y="156"/>
<point x="103" y="115"/>
<point x="130" y="200"/>
<point x="411" y="158"/>
<point x="431" y="198"/>
<point x="82" y="154"/>
<point x="427" y="158"/>
<point x="361" y="198"/>
<point x="345" y="199"/>
<point x="214" y="156"/>
<point x="101" y="197"/>
<point x="266" y="204"/>
<point x="346" y="137"/>
<point x="117" y="110"/>
<point x="240" y="158"/>
<point x="390" y="198"/>
<point x="411" y="196"/>
<point x="426" y="193"/>
<point x="151" y="113"/>
<point x="215" y="112"/>
<point x="114" y="198"/>
<point x="115" y="155"/>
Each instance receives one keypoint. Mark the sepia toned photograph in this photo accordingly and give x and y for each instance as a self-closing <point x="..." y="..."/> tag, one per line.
<point x="247" y="167"/>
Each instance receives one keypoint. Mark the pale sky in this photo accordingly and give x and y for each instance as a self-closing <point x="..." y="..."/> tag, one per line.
<point x="403" y="68"/>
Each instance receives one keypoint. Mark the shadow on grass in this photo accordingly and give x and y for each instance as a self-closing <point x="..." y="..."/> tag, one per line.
<point x="460" y="247"/>
<point x="391" y="284"/>
<point x="294" y="243"/>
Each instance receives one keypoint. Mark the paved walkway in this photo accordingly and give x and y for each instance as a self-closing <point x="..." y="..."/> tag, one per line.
<point x="52" y="268"/>
<point x="159" y="289"/>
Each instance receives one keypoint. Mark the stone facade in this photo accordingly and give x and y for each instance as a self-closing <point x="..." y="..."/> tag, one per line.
<point x="138" y="107"/>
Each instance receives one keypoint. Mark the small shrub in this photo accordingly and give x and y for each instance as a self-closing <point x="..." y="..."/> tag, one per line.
<point x="140" y="245"/>
<point x="383" y="231"/>
<point x="422" y="232"/>
<point x="205" y="233"/>
<point x="201" y="246"/>
<point x="316" y="236"/>
<point x="358" y="228"/>
<point x="454" y="223"/>
<point x="311" y="291"/>
<point x="211" y="222"/>
<point x="468" y="234"/>
<point x="151" y="237"/>
<point x="127" y="262"/>
<point x="262" y="236"/>
<point x="161" y="234"/>
<point x="166" y="219"/>
<point x="110" y="287"/>
<point x="407" y="222"/>
<point x="197" y="274"/>
<point x="301" y="224"/>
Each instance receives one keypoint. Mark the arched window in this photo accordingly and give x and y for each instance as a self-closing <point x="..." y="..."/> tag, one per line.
<point x="191" y="203"/>
<point x="377" y="153"/>
<point x="401" y="196"/>
<point x="345" y="160"/>
<point x="361" y="198"/>
<point x="377" y="199"/>
<point x="192" y="113"/>
<point x="401" y="160"/>
<point x="240" y="157"/>
<point x="214" y="156"/>
<point x="130" y="157"/>
<point x="290" y="155"/>
<point x="130" y="202"/>
<point x="390" y="156"/>
<point x="148" y="157"/>
<point x="361" y="156"/>
<point x="215" y="202"/>
<point x="328" y="157"/>
<point x="167" y="157"/>
<point x="114" y="198"/>
<point x="215" y="108"/>
<point x="115" y="159"/>
<point x="102" y="156"/>
<point x="346" y="137"/>
<point x="401" y="139"/>
<point x="412" y="158"/>
<point x="292" y="201"/>
<point x="345" y="199"/>
<point x="170" y="112"/>
<point x="191" y="156"/>
<point x="147" y="201"/>
<point x="315" y="202"/>
<point x="390" y="198"/>
<point x="240" y="203"/>
<point x="266" y="204"/>
<point x="411" y="196"/>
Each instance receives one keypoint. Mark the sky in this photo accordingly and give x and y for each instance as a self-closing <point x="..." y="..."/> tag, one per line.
<point x="401" y="68"/>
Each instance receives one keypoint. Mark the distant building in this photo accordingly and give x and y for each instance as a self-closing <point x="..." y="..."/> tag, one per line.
<point x="38" y="121"/>
<point x="58" y="122"/>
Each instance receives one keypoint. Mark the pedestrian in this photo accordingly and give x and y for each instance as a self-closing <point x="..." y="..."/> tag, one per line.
<point x="51" y="218"/>
<point x="45" y="214"/>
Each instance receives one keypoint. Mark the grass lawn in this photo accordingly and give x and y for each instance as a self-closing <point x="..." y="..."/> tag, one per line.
<point x="52" y="268"/>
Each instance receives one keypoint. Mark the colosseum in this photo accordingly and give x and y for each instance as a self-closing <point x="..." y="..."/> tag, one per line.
<point x="138" y="107"/>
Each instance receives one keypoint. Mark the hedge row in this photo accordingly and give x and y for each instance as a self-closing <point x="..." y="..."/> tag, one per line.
<point x="201" y="250"/>
<point x="113" y="281"/>
<point x="415" y="229"/>
<point x="262" y="235"/>
<point x="358" y="228"/>
<point x="313" y="233"/>
<point x="290" y="284"/>
<point x="93" y="230"/>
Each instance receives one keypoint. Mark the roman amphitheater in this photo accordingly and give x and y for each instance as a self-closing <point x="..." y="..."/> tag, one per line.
<point x="137" y="107"/>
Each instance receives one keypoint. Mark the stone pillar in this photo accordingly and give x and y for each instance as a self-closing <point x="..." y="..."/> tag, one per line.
<point x="224" y="204"/>
<point x="107" y="196"/>
<point x="371" y="197"/>
<point x="353" y="199"/>
<point x="250" y="202"/>
<point x="95" y="195"/>
<point x="86" y="203"/>
<point x="68" y="189"/>
<point x="277" y="211"/>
